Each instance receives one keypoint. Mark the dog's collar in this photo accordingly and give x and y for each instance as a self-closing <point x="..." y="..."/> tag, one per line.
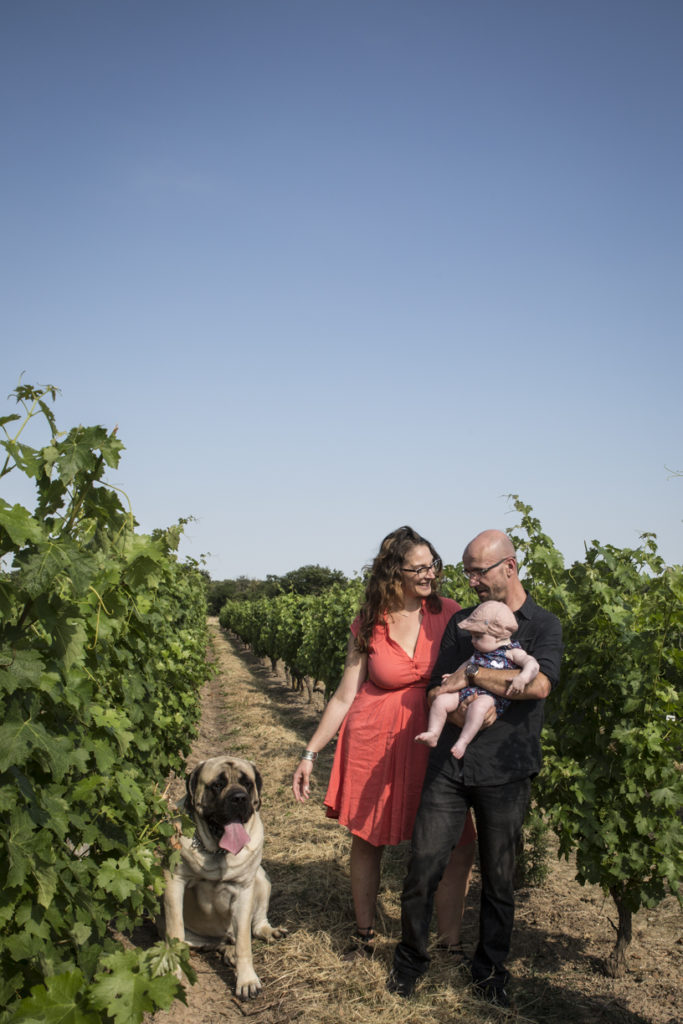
<point x="197" y="844"/>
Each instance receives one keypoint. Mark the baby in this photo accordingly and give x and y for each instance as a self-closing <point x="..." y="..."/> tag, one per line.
<point x="491" y="625"/>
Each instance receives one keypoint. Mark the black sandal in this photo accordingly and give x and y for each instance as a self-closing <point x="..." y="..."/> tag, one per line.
<point x="362" y="944"/>
<point x="457" y="956"/>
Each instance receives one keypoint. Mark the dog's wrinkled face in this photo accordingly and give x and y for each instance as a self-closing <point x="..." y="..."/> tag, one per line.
<point x="222" y="791"/>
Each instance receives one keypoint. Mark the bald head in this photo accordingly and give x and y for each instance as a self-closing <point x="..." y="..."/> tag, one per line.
<point x="491" y="560"/>
<point x="488" y="546"/>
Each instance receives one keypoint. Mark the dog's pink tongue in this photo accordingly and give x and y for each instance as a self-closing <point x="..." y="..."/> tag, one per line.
<point x="234" y="837"/>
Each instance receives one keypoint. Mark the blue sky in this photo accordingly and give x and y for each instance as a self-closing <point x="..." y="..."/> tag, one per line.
<point x="337" y="266"/>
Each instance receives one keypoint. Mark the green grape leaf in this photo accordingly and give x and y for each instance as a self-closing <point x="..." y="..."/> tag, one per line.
<point x="120" y="878"/>
<point x="20" y="669"/>
<point x="126" y="993"/>
<point x="56" y="1002"/>
<point x="20" y="524"/>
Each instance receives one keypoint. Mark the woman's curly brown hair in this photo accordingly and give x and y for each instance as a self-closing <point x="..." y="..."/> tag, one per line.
<point x="384" y="588"/>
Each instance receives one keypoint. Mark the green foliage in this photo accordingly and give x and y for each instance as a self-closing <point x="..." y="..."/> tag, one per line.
<point x="129" y="984"/>
<point x="308" y="579"/>
<point x="454" y="584"/>
<point x="309" y="633"/>
<point x="541" y="564"/>
<point x="102" y="650"/>
<point x="612" y="786"/>
<point x="133" y="982"/>
<point x="531" y="867"/>
<point x="240" y="589"/>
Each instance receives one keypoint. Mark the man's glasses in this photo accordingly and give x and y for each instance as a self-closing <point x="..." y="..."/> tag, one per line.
<point x="422" y="570"/>
<point x="480" y="573"/>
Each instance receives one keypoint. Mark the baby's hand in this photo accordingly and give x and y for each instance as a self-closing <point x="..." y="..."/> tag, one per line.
<point x="530" y="669"/>
<point x="451" y="682"/>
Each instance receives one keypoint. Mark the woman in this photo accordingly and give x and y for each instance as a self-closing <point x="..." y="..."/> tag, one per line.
<point x="379" y="707"/>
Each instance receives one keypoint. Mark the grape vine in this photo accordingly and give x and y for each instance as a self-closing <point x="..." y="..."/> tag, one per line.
<point x="102" y="652"/>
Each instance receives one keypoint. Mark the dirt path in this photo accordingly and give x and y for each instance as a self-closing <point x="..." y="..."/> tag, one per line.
<point x="236" y="712"/>
<point x="561" y="930"/>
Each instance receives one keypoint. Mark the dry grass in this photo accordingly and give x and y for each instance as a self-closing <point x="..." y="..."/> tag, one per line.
<point x="561" y="930"/>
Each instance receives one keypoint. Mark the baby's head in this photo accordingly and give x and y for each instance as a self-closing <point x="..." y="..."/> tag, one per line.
<point x="491" y="624"/>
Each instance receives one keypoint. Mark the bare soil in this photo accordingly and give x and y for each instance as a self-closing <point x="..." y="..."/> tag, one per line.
<point x="562" y="931"/>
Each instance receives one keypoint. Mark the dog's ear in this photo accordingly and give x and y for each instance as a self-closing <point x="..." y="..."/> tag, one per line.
<point x="191" y="788"/>
<point x="259" y="786"/>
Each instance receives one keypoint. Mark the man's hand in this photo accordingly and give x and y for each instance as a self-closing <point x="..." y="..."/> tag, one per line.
<point x="457" y="717"/>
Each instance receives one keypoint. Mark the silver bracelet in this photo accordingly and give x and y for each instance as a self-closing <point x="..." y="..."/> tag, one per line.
<point x="309" y="755"/>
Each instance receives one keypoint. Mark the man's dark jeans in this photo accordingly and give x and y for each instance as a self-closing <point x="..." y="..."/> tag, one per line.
<point x="499" y="812"/>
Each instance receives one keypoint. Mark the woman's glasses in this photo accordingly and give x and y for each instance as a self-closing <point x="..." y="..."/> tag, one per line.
<point x="422" y="570"/>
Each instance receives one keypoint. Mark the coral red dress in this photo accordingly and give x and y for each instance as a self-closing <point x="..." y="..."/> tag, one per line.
<point x="378" y="768"/>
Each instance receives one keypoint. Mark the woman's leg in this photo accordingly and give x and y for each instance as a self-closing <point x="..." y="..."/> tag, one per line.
<point x="452" y="893"/>
<point x="365" y="872"/>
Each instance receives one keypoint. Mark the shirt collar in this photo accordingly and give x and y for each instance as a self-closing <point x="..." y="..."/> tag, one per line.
<point x="527" y="609"/>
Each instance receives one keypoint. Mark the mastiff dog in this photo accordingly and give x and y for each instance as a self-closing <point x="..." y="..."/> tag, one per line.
<point x="218" y="894"/>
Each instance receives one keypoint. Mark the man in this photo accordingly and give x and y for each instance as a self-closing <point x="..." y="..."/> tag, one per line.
<point x="494" y="777"/>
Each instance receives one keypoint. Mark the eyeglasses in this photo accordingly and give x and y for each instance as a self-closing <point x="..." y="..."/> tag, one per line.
<point x="422" y="570"/>
<point x="480" y="573"/>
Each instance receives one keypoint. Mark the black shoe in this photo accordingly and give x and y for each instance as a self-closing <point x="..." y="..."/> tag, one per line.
<point x="494" y="994"/>
<point x="401" y="984"/>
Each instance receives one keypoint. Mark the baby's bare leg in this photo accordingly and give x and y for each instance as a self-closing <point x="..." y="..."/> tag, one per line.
<point x="474" y="717"/>
<point x="441" y="705"/>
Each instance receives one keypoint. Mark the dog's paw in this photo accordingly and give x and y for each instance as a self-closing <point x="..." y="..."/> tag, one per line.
<point x="268" y="933"/>
<point x="248" y="985"/>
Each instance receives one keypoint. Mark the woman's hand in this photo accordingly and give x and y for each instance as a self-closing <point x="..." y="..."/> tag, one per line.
<point x="301" y="782"/>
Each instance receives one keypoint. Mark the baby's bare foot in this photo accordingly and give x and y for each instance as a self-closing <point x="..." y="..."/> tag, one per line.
<point x="429" y="739"/>
<point x="458" y="750"/>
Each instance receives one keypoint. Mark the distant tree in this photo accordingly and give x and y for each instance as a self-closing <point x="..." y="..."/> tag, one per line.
<point x="309" y="579"/>
<point x="241" y="589"/>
